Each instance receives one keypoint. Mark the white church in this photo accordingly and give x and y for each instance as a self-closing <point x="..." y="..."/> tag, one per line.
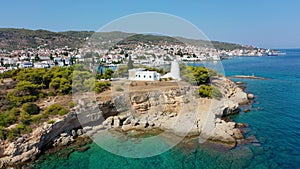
<point x="142" y="74"/>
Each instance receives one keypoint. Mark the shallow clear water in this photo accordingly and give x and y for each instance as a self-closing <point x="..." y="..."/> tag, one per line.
<point x="274" y="120"/>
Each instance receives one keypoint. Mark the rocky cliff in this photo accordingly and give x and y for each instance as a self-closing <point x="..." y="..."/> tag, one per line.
<point x="176" y="110"/>
<point x="28" y="146"/>
<point x="179" y="111"/>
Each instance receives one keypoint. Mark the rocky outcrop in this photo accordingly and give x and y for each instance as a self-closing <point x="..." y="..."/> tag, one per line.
<point x="174" y="110"/>
<point x="169" y="111"/>
<point x="28" y="146"/>
<point x="250" y="96"/>
<point x="226" y="132"/>
<point x="231" y="91"/>
<point x="230" y="108"/>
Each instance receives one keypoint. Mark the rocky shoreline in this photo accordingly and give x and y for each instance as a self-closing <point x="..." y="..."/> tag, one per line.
<point x="174" y="110"/>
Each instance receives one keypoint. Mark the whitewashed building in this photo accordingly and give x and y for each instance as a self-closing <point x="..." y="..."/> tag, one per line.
<point x="41" y="65"/>
<point x="26" y="65"/>
<point x="143" y="75"/>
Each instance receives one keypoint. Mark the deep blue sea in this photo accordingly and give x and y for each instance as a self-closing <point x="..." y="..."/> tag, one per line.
<point x="274" y="120"/>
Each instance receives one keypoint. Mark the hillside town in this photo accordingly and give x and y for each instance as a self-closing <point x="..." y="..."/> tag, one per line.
<point x="143" y="53"/>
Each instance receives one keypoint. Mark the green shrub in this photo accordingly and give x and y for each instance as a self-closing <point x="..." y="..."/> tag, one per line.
<point x="25" y="118"/>
<point x="108" y="74"/>
<point x="41" y="95"/>
<point x="51" y="121"/>
<point x="20" y="126"/>
<point x="14" y="111"/>
<point x="27" y="87"/>
<point x="196" y="75"/>
<point x="31" y="108"/>
<point x="63" y="111"/>
<point x="7" y="119"/>
<point x="201" y="74"/>
<point x="23" y="129"/>
<point x="12" y="134"/>
<point x="11" y="119"/>
<point x="71" y="104"/>
<point x="32" y="75"/>
<point x="17" y="99"/>
<point x="7" y="74"/>
<point x="51" y="93"/>
<point x="102" y="86"/>
<point x="3" y="133"/>
<point x="210" y="92"/>
<point x="25" y="91"/>
<point x="38" y="118"/>
<point x="205" y="91"/>
<point x="55" y="83"/>
<point x="65" y="86"/>
<point x="62" y="85"/>
<point x="56" y="109"/>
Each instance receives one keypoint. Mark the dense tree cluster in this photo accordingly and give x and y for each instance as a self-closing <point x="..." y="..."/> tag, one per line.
<point x="23" y="110"/>
<point x="201" y="76"/>
<point x="196" y="75"/>
<point x="33" y="84"/>
<point x="108" y="74"/>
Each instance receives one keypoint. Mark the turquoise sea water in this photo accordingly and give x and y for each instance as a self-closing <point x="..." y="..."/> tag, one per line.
<point x="274" y="121"/>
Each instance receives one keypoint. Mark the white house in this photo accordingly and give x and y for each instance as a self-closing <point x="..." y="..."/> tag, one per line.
<point x="143" y="75"/>
<point x="41" y="65"/>
<point x="26" y="65"/>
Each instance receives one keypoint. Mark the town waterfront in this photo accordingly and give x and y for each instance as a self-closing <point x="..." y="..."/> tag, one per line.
<point x="274" y="120"/>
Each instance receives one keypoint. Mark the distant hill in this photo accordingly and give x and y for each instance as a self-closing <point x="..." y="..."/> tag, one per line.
<point x="154" y="39"/>
<point x="215" y="44"/>
<point x="12" y="39"/>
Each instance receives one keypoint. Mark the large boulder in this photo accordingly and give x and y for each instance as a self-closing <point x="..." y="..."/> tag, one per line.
<point x="230" y="108"/>
<point x="108" y="122"/>
<point x="223" y="132"/>
<point x="250" y="96"/>
<point x="127" y="127"/>
<point x="116" y="122"/>
<point x="66" y="140"/>
<point x="79" y="132"/>
<point x="139" y="98"/>
<point x="237" y="134"/>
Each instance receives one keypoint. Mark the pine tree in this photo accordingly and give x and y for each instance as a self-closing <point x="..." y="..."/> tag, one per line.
<point x="130" y="63"/>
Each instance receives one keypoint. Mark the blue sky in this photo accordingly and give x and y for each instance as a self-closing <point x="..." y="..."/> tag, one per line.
<point x="263" y="23"/>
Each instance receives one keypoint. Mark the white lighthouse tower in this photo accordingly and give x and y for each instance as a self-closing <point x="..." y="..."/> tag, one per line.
<point x="175" y="71"/>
